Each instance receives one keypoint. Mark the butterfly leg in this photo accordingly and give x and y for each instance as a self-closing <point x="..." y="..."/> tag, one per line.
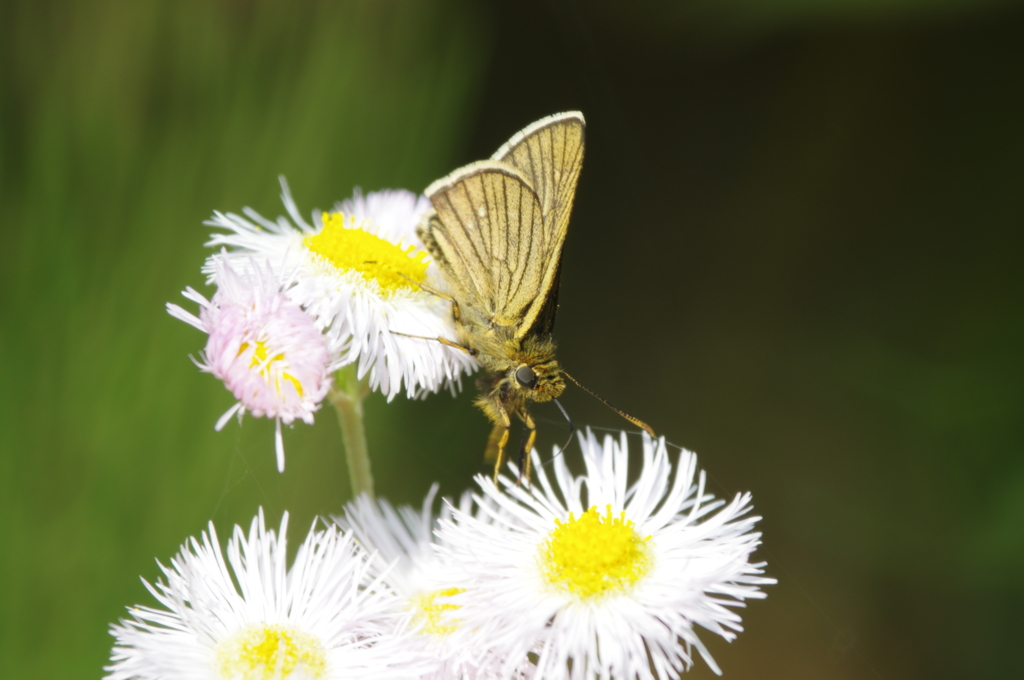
<point x="444" y="341"/>
<point x="527" y="446"/>
<point x="507" y="425"/>
<point x="444" y="296"/>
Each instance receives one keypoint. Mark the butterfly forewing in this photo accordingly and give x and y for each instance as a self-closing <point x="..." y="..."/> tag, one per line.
<point x="550" y="154"/>
<point x="490" y="231"/>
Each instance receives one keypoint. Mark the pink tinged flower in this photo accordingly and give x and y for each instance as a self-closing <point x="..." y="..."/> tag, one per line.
<point x="357" y="271"/>
<point x="265" y="348"/>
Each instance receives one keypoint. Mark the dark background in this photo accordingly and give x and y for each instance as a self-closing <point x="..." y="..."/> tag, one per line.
<point x="796" y="250"/>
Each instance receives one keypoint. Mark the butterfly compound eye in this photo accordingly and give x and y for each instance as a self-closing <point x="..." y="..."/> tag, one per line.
<point x="526" y="376"/>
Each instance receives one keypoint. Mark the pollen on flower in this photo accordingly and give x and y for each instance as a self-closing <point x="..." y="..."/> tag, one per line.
<point x="594" y="555"/>
<point x="267" y="368"/>
<point x="271" y="651"/>
<point x="431" y="615"/>
<point x="345" y="244"/>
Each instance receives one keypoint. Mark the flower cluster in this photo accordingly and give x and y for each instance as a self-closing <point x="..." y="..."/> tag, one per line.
<point x="577" y="576"/>
<point x="297" y="300"/>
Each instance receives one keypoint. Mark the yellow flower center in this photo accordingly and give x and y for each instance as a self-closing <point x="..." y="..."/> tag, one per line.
<point x="266" y="652"/>
<point x="432" y="615"/>
<point x="260" y="360"/>
<point x="350" y="248"/>
<point x="595" y="555"/>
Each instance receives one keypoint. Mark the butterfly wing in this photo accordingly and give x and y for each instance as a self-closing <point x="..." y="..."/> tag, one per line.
<point x="487" y="231"/>
<point x="550" y="153"/>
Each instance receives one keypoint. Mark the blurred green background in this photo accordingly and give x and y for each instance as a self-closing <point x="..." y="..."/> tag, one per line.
<point x="796" y="250"/>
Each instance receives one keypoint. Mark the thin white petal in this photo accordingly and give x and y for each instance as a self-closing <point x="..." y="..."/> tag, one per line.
<point x="223" y="420"/>
<point x="279" y="446"/>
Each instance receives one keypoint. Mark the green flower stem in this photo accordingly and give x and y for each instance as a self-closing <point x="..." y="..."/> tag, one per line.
<point x="347" y="396"/>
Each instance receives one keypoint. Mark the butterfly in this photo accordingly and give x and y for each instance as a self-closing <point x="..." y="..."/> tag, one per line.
<point x="496" y="231"/>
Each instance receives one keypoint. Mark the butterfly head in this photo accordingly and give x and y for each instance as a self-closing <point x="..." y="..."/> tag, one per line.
<point x="541" y="382"/>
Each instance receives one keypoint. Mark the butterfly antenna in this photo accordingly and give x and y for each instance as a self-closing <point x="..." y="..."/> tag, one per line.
<point x="636" y="421"/>
<point x="572" y="429"/>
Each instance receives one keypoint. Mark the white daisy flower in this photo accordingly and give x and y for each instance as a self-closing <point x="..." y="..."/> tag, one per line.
<point x="601" y="579"/>
<point x="404" y="543"/>
<point x="358" y="272"/>
<point x="268" y="352"/>
<point x="321" y="619"/>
